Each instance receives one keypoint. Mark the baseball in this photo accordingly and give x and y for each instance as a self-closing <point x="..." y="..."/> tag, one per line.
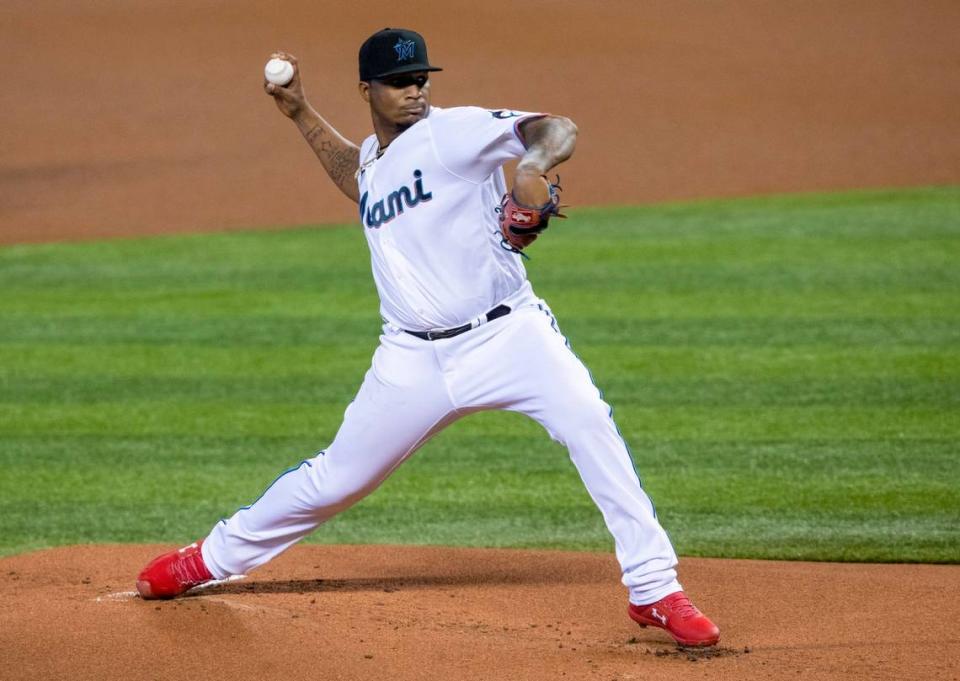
<point x="278" y="71"/>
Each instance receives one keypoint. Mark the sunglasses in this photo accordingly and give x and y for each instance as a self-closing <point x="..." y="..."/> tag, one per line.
<point x="404" y="80"/>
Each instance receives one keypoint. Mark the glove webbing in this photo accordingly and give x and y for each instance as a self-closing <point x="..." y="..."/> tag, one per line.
<point x="550" y="208"/>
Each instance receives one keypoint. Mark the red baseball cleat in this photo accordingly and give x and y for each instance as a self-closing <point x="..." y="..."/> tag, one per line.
<point x="680" y="618"/>
<point x="173" y="573"/>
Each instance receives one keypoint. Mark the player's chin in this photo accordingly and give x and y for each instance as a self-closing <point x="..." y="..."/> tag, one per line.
<point x="412" y="115"/>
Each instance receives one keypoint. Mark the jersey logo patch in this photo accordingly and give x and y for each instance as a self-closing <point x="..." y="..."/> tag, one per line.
<point x="385" y="210"/>
<point x="404" y="49"/>
<point x="504" y="113"/>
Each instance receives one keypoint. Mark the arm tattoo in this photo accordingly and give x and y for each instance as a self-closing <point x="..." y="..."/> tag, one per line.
<point x="315" y="133"/>
<point x="339" y="160"/>
<point x="550" y="141"/>
<point x="343" y="161"/>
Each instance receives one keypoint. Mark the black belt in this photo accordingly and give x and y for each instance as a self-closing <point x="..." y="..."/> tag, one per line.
<point x="498" y="311"/>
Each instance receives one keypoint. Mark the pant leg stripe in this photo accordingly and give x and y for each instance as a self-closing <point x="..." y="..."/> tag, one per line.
<point x="289" y="470"/>
<point x="556" y="327"/>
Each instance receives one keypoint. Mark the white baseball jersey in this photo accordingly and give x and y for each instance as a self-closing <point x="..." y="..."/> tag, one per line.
<point x="428" y="208"/>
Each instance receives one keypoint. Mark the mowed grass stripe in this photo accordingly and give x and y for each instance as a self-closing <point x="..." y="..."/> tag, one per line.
<point x="655" y="362"/>
<point x="621" y="390"/>
<point x="785" y="369"/>
<point x="321" y="420"/>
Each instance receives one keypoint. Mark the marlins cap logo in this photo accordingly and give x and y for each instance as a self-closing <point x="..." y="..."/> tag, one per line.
<point x="404" y="49"/>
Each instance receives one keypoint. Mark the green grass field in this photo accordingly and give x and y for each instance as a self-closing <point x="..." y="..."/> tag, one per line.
<point x="785" y="369"/>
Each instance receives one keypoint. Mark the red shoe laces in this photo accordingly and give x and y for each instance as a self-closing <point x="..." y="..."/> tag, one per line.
<point x="190" y="569"/>
<point x="683" y="608"/>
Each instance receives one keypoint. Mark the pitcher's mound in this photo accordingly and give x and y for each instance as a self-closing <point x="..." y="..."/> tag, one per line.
<point x="394" y="613"/>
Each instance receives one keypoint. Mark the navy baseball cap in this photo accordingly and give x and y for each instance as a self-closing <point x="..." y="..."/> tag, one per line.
<point x="392" y="51"/>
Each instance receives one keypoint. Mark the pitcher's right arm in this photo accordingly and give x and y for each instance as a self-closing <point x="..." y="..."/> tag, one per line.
<point x="340" y="157"/>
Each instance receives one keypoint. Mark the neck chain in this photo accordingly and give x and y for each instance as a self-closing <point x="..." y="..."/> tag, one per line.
<point x="376" y="156"/>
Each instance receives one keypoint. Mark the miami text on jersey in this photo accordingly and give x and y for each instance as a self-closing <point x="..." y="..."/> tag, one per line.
<point x="385" y="210"/>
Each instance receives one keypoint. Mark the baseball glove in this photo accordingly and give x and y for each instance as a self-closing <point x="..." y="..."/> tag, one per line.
<point x="520" y="225"/>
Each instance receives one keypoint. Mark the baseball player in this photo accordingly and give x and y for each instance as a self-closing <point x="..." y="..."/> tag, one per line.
<point x="463" y="330"/>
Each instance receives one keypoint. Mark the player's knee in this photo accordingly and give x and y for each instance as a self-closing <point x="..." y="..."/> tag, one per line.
<point x="586" y="413"/>
<point x="340" y="488"/>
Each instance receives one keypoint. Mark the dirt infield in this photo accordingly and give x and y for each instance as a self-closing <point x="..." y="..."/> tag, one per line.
<point x="133" y="117"/>
<point x="346" y="612"/>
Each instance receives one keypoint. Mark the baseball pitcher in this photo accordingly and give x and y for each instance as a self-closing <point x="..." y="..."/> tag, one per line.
<point x="463" y="330"/>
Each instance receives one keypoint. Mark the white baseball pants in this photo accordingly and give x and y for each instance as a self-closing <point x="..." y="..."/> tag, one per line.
<point x="414" y="389"/>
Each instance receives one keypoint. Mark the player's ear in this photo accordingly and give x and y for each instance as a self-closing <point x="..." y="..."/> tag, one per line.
<point x="364" y="89"/>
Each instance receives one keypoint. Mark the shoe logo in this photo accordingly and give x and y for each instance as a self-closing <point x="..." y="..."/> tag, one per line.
<point x="187" y="548"/>
<point x="657" y="616"/>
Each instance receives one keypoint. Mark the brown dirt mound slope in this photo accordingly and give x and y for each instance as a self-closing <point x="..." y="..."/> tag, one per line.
<point x="345" y="612"/>
<point x="134" y="117"/>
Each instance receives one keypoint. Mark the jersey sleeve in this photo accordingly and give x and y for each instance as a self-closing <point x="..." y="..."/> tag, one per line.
<point x="472" y="142"/>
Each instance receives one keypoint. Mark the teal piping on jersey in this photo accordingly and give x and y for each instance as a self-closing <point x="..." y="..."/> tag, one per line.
<point x="553" y="323"/>
<point x="289" y="470"/>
